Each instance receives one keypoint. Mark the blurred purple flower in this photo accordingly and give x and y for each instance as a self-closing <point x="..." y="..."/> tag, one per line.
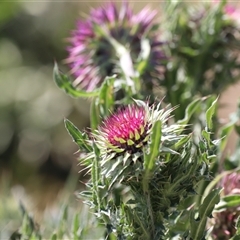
<point x="231" y="11"/>
<point x="92" y="54"/>
<point x="231" y="184"/>
<point x="224" y="222"/>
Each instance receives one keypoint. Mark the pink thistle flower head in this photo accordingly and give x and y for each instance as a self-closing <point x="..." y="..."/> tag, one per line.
<point x="231" y="184"/>
<point x="232" y="12"/>
<point x="224" y="221"/>
<point x="126" y="135"/>
<point x="92" y="56"/>
<point x="129" y="128"/>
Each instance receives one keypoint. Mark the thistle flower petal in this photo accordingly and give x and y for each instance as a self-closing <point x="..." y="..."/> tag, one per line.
<point x="124" y="129"/>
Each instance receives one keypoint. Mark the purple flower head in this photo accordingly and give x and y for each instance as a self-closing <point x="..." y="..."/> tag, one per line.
<point x="224" y="221"/>
<point x="127" y="129"/>
<point x="92" y="54"/>
<point x="232" y="12"/>
<point x="231" y="184"/>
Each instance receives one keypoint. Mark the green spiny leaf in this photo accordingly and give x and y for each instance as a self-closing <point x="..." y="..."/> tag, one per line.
<point x="206" y="208"/>
<point x="182" y="141"/>
<point x="78" y="137"/>
<point x="190" y="110"/>
<point x="224" y="133"/>
<point x="209" y="114"/>
<point x="63" y="82"/>
<point x="198" y="226"/>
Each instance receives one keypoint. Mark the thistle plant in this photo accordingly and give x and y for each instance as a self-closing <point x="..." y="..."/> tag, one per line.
<point x="152" y="166"/>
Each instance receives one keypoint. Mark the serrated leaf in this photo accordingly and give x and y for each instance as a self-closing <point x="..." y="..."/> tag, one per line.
<point x="190" y="110"/>
<point x="168" y="150"/>
<point x="182" y="141"/>
<point x="78" y="137"/>
<point x="209" y="114"/>
<point x="117" y="176"/>
<point x="228" y="201"/>
<point x="198" y="226"/>
<point x="206" y="208"/>
<point x="63" y="81"/>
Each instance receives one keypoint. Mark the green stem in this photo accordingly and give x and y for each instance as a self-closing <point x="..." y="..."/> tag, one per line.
<point x="150" y="211"/>
<point x="126" y="63"/>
